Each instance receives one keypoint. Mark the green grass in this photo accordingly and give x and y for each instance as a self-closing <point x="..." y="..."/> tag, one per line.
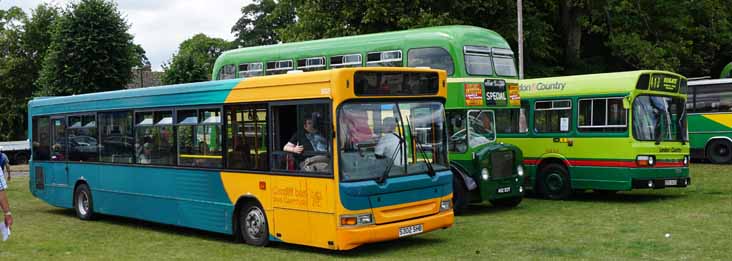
<point x="630" y="225"/>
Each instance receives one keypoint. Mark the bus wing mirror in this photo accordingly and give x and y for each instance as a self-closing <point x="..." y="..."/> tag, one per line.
<point x="626" y="103"/>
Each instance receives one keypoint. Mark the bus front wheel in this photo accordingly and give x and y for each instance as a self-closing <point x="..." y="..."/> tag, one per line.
<point x="83" y="202"/>
<point x="720" y="151"/>
<point x="459" y="196"/>
<point x="253" y="225"/>
<point x="554" y="182"/>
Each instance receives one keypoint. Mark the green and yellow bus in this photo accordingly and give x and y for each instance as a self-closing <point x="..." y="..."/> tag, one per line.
<point x="726" y="71"/>
<point x="606" y="132"/>
<point x="482" y="86"/>
<point x="213" y="156"/>
<point x="710" y="120"/>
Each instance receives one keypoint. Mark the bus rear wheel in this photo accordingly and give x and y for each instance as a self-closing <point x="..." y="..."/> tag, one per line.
<point x="720" y="151"/>
<point x="554" y="182"/>
<point x="83" y="203"/>
<point x="507" y="202"/>
<point x="253" y="226"/>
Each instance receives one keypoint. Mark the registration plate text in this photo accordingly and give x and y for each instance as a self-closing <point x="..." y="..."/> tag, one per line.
<point x="410" y="230"/>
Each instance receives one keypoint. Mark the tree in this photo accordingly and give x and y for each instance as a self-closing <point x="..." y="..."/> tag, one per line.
<point x="259" y="22"/>
<point x="90" y="51"/>
<point x="195" y="59"/>
<point x="23" y="42"/>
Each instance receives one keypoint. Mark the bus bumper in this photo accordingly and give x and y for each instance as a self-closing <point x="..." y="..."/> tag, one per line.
<point x="661" y="183"/>
<point x="349" y="238"/>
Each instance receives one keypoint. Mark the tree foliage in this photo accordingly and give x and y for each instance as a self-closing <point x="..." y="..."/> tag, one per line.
<point x="90" y="51"/>
<point x="260" y="20"/>
<point x="561" y="37"/>
<point x="23" y="44"/>
<point x="195" y="59"/>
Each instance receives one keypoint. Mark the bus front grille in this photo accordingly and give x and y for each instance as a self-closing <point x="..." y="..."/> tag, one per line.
<point x="502" y="164"/>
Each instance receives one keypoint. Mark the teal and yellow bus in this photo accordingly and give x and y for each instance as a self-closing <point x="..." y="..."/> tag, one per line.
<point x="482" y="86"/>
<point x="710" y="120"/>
<point x="606" y="132"/>
<point x="273" y="158"/>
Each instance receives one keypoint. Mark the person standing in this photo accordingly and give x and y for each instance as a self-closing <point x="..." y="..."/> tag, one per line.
<point x="4" y="205"/>
<point x="5" y="164"/>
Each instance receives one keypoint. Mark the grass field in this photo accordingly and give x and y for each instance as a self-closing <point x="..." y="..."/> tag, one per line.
<point x="629" y="225"/>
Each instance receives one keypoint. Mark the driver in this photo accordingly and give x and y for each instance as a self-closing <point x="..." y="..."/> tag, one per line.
<point x="389" y="145"/>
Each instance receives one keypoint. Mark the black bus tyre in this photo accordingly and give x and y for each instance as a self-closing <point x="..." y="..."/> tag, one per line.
<point x="719" y="151"/>
<point x="83" y="203"/>
<point x="554" y="182"/>
<point x="507" y="202"/>
<point x="459" y="196"/>
<point x="253" y="225"/>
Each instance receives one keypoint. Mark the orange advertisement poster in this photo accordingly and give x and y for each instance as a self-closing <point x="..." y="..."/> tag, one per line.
<point x="474" y="94"/>
<point x="513" y="94"/>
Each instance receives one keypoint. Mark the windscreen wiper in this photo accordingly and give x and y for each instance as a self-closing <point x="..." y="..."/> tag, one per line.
<point x="430" y="169"/>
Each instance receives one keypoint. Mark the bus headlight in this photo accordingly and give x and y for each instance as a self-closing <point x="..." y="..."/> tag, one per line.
<point x="357" y="220"/>
<point x="645" y="161"/>
<point x="484" y="174"/>
<point x="445" y="205"/>
<point x="520" y="170"/>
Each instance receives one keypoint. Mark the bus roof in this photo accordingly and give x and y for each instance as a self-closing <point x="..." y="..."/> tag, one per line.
<point x="586" y="84"/>
<point x="710" y="82"/>
<point x="203" y="93"/>
<point x="397" y="40"/>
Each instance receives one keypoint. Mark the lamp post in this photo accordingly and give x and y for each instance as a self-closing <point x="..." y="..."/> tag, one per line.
<point x="519" y="10"/>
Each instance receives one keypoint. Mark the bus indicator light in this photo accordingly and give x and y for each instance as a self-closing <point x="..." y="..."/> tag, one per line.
<point x="263" y="185"/>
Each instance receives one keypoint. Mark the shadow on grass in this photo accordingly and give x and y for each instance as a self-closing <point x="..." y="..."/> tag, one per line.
<point x="361" y="251"/>
<point x="485" y="209"/>
<point x="367" y="250"/>
<point x="157" y="227"/>
<point x="622" y="197"/>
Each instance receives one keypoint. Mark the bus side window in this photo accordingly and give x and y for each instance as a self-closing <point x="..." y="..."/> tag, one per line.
<point x="199" y="138"/>
<point x="227" y="72"/>
<point x="247" y="137"/>
<point x="118" y="144"/>
<point x="385" y="58"/>
<point x="306" y="127"/>
<point x="552" y="116"/>
<point x="432" y="57"/>
<point x="511" y="120"/>
<point x="154" y="138"/>
<point x="58" y="149"/>
<point x="250" y="70"/>
<point x="82" y="139"/>
<point x="41" y="138"/>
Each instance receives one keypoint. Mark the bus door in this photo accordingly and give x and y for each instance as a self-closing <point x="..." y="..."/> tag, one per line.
<point x="59" y="143"/>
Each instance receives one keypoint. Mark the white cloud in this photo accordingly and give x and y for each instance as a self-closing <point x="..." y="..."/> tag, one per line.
<point x="160" y="26"/>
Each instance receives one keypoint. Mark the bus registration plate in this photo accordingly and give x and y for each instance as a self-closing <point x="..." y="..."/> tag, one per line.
<point x="670" y="182"/>
<point x="410" y="230"/>
<point x="504" y="190"/>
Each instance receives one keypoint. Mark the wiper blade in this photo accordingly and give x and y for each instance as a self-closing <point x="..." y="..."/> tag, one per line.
<point x="430" y="170"/>
<point x="382" y="178"/>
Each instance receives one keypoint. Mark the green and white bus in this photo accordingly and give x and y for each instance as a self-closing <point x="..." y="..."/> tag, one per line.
<point x="482" y="87"/>
<point x="606" y="132"/>
<point x="710" y="120"/>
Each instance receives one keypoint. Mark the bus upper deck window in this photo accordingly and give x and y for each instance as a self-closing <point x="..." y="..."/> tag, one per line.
<point x="478" y="60"/>
<point x="349" y="60"/>
<point x="250" y="69"/>
<point x="227" y="72"/>
<point x="311" y="64"/>
<point x="384" y="58"/>
<point x="503" y="62"/>
<point x="432" y="57"/>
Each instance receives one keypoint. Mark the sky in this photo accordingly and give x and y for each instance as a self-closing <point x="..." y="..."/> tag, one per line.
<point x="159" y="26"/>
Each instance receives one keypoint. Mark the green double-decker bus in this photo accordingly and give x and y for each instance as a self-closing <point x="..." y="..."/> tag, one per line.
<point x="710" y="120"/>
<point x="482" y="90"/>
<point x="606" y="132"/>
